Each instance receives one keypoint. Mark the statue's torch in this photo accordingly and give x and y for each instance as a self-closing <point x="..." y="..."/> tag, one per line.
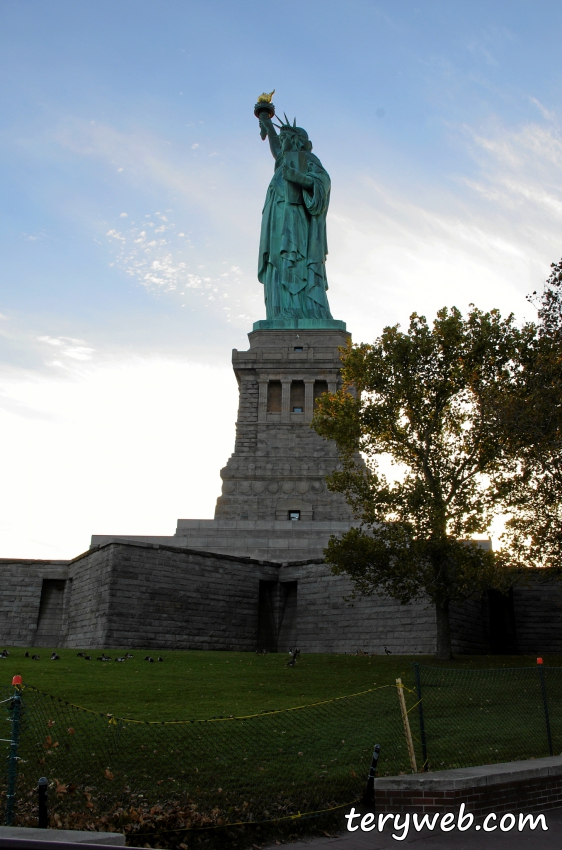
<point x="264" y="105"/>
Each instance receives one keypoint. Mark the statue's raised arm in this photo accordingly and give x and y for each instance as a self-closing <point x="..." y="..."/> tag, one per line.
<point x="267" y="128"/>
<point x="264" y="111"/>
<point x="293" y="244"/>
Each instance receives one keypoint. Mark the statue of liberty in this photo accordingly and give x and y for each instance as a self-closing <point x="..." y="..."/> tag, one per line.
<point x="293" y="244"/>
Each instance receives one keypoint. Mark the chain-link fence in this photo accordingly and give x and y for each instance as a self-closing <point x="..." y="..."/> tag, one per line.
<point x="276" y="764"/>
<point x="472" y="717"/>
<point x="107" y="772"/>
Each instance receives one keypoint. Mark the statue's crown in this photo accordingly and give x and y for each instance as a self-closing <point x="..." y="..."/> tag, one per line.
<point x="287" y="127"/>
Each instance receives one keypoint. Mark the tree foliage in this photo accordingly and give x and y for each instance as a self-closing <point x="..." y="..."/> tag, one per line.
<point x="427" y="400"/>
<point x="530" y="417"/>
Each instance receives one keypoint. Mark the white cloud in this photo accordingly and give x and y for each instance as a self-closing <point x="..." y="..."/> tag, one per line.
<point x="151" y="165"/>
<point x="115" y="235"/>
<point x="162" y="265"/>
<point x="78" y="352"/>
<point x="95" y="451"/>
<point x="485" y="234"/>
<point x="151" y="261"/>
<point x="50" y="340"/>
<point x="490" y="239"/>
<point x="69" y="347"/>
<point x="546" y="113"/>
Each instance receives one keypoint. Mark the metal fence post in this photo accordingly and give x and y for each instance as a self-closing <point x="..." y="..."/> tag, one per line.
<point x="43" y="819"/>
<point x="369" y="795"/>
<point x="15" y="717"/>
<point x="420" y="714"/>
<point x="545" y="707"/>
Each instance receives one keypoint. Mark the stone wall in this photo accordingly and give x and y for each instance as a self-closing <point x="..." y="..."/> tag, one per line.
<point x="159" y="596"/>
<point x="330" y="621"/>
<point x="181" y="599"/>
<point x="93" y="588"/>
<point x="21" y="582"/>
<point x="538" y="617"/>
<point x="145" y="595"/>
<point x="469" y="632"/>
<point x="163" y="597"/>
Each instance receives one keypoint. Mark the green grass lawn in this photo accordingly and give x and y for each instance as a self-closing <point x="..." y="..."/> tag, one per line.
<point x="206" y="684"/>
<point x="477" y="711"/>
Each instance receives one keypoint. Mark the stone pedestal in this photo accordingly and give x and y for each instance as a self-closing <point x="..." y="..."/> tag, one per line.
<point x="267" y="540"/>
<point x="275" y="505"/>
<point x="278" y="468"/>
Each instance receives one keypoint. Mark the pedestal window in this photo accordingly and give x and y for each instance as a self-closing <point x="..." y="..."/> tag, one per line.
<point x="274" y="397"/>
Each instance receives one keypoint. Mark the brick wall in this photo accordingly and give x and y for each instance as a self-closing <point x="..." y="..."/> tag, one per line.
<point x="535" y="795"/>
<point x="531" y="786"/>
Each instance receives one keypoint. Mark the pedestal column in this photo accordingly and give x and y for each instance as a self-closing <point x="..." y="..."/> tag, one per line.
<point x="285" y="400"/>
<point x="308" y="400"/>
<point x="262" y="401"/>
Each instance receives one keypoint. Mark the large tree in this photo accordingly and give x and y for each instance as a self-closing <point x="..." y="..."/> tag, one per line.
<point x="426" y="401"/>
<point x="530" y="417"/>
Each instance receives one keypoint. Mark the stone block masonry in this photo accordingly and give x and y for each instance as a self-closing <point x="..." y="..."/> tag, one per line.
<point x="279" y="463"/>
<point x="254" y="577"/>
<point x="162" y="597"/>
<point x="21" y="585"/>
<point x="275" y="503"/>
<point x="279" y="541"/>
<point x="141" y="594"/>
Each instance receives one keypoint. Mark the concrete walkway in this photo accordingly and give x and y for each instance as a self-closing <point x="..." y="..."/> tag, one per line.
<point x="471" y="840"/>
<point x="71" y="836"/>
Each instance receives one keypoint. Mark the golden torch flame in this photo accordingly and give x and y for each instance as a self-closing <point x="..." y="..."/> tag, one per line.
<point x="266" y="98"/>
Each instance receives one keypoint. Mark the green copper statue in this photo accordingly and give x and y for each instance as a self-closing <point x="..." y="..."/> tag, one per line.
<point x="293" y="244"/>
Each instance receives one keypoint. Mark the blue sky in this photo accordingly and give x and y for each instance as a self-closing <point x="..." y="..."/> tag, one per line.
<point x="133" y="178"/>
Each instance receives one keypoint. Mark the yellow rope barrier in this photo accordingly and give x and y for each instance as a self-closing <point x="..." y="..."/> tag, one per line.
<point x="242" y="822"/>
<point x="113" y="720"/>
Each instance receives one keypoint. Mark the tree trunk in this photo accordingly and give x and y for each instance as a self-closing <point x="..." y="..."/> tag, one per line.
<point x="444" y="650"/>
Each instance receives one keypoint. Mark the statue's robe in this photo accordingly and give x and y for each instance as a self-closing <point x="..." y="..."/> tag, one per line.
<point x="293" y="246"/>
